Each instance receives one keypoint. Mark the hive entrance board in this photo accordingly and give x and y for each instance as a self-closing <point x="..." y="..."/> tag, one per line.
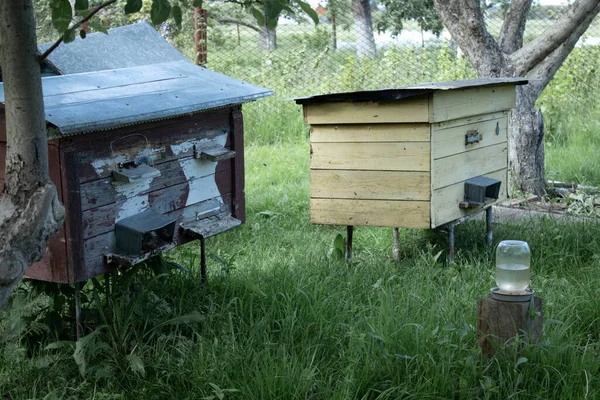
<point x="401" y="157"/>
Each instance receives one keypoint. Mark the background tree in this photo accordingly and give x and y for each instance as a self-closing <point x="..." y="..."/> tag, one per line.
<point x="30" y="211"/>
<point x="363" y="29"/>
<point x="397" y="11"/>
<point x="508" y="56"/>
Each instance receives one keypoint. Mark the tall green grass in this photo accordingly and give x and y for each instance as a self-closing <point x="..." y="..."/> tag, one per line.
<point x="282" y="321"/>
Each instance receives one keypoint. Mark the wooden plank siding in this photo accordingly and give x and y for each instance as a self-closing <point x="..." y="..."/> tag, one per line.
<point x="98" y="246"/>
<point x="369" y="133"/>
<point x="392" y="156"/>
<point x="414" y="109"/>
<point x="449" y="140"/>
<point x="102" y="219"/>
<point x="100" y="192"/>
<point x="461" y="103"/>
<point x="459" y="167"/>
<point x="444" y="201"/>
<point x="407" y="214"/>
<point x="370" y="185"/>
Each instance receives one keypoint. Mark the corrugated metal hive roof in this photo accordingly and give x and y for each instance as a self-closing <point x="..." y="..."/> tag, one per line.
<point x="407" y="91"/>
<point x="101" y="100"/>
<point x="123" y="47"/>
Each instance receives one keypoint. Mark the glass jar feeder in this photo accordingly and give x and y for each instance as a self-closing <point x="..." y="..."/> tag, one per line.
<point x="513" y="274"/>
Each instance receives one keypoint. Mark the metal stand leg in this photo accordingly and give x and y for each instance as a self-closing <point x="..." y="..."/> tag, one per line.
<point x="396" y="249"/>
<point x="78" y="316"/>
<point x="203" y="260"/>
<point x="450" y="243"/>
<point x="349" y="231"/>
<point x="488" y="224"/>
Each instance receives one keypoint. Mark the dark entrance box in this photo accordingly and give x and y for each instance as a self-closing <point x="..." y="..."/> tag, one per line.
<point x="165" y="137"/>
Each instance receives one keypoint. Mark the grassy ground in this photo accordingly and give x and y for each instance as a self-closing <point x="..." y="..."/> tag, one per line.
<point x="281" y="320"/>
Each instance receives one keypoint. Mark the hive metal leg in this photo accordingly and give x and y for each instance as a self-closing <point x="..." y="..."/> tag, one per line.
<point x="450" y="243"/>
<point x="488" y="224"/>
<point x="396" y="249"/>
<point x="349" y="231"/>
<point x="203" y="260"/>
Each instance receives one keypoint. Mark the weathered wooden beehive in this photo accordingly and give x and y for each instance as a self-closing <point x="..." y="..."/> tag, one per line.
<point x="144" y="159"/>
<point x="414" y="157"/>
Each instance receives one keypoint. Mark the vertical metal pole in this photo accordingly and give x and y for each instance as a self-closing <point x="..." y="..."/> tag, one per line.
<point x="349" y="231"/>
<point x="396" y="249"/>
<point x="203" y="260"/>
<point x="450" y="243"/>
<point x="78" y="317"/>
<point x="488" y="224"/>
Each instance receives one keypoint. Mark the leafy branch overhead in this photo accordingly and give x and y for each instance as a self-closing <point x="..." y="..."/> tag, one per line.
<point x="68" y="19"/>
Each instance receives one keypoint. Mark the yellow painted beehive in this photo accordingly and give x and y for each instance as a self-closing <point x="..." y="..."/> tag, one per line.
<point x="401" y="157"/>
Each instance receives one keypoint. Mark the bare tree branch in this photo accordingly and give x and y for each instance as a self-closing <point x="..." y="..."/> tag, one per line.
<point x="511" y="33"/>
<point x="238" y="22"/>
<point x="464" y="19"/>
<point x="77" y="25"/>
<point x="530" y="55"/>
<point x="543" y="73"/>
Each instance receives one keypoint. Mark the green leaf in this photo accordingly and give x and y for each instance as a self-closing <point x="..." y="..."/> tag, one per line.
<point x="61" y="14"/>
<point x="177" y="16"/>
<point x="520" y="361"/>
<point x="136" y="364"/>
<point x="69" y="36"/>
<point x="258" y="16"/>
<point x="197" y="3"/>
<point x="308" y="10"/>
<point x="81" y="5"/>
<point x="160" y="11"/>
<point x="133" y="6"/>
<point x="338" y="242"/>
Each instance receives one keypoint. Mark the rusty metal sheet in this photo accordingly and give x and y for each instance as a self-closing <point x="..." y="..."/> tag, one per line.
<point x="108" y="99"/>
<point x="407" y="91"/>
<point x="123" y="47"/>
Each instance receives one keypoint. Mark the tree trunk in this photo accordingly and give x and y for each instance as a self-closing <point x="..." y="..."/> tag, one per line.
<point x="267" y="39"/>
<point x="30" y="212"/>
<point x="363" y="29"/>
<point x="527" y="142"/>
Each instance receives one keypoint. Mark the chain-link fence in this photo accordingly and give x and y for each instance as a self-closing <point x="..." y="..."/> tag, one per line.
<point x="342" y="53"/>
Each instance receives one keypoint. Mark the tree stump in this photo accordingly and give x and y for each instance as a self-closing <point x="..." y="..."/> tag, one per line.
<point x="500" y="322"/>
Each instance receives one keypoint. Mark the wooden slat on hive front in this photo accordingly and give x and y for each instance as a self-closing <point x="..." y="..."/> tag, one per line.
<point x="457" y="168"/>
<point x="406" y="214"/>
<point x="453" y="104"/>
<point x="444" y="201"/>
<point x="446" y="142"/>
<point x="381" y="185"/>
<point x="404" y="156"/>
<point x="408" y="110"/>
<point x="370" y="133"/>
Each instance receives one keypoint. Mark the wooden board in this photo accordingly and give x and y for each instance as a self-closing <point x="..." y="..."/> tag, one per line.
<point x="403" y="156"/>
<point x="100" y="192"/>
<point x="374" y="185"/>
<point x="470" y="164"/>
<point x="96" y="156"/>
<point x="460" y="103"/>
<point x="97" y="247"/>
<point x="408" y="110"/>
<point x="404" y="214"/>
<point x="444" y="201"/>
<point x="370" y="133"/>
<point x="102" y="219"/>
<point x="449" y="141"/>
